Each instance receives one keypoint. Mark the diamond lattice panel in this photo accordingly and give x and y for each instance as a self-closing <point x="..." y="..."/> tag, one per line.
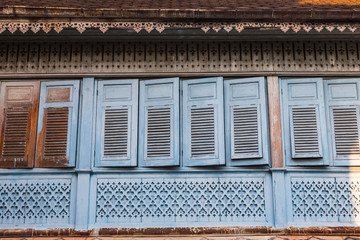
<point x="41" y="201"/>
<point x="181" y="201"/>
<point x="326" y="200"/>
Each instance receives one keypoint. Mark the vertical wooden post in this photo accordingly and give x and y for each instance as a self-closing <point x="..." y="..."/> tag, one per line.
<point x="279" y="198"/>
<point x="84" y="154"/>
<point x="82" y="201"/>
<point x="275" y="122"/>
<point x="278" y="172"/>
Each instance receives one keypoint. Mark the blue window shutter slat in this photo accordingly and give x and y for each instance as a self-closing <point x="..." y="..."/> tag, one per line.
<point x="246" y="122"/>
<point x="116" y="123"/>
<point x="342" y="99"/>
<point x="203" y="122"/>
<point x="57" y="124"/>
<point x="305" y="126"/>
<point x="159" y="122"/>
<point x="305" y="131"/>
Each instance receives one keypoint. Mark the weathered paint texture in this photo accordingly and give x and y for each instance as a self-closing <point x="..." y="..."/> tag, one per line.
<point x="233" y="157"/>
<point x="258" y="232"/>
<point x="178" y="57"/>
<point x="205" y="237"/>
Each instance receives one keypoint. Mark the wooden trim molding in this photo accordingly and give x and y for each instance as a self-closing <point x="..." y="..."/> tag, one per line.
<point x="182" y="231"/>
<point x="81" y="26"/>
<point x="275" y="122"/>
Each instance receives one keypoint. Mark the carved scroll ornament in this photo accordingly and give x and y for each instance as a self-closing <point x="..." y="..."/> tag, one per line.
<point x="81" y="27"/>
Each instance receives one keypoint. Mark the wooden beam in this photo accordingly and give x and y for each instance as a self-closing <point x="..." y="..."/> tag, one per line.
<point x="275" y="122"/>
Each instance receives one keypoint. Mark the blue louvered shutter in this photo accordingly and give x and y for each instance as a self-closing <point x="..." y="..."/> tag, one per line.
<point x="304" y="122"/>
<point x="116" y="123"/>
<point x="343" y="107"/>
<point x="57" y="124"/>
<point x="203" y="122"/>
<point x="246" y="122"/>
<point x="159" y="122"/>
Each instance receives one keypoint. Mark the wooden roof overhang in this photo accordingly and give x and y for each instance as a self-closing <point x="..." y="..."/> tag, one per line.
<point x="191" y="40"/>
<point x="138" y="15"/>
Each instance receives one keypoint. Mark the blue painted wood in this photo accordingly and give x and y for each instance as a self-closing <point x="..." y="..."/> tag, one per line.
<point x="342" y="105"/>
<point x="203" y="122"/>
<point x="118" y="98"/>
<point x="72" y="104"/>
<point x="85" y="149"/>
<point x="37" y="201"/>
<point x="322" y="199"/>
<point x="159" y="122"/>
<point x="82" y="201"/>
<point x="279" y="198"/>
<point x="85" y="153"/>
<point x="176" y="200"/>
<point x="299" y="195"/>
<point x="304" y="122"/>
<point x="246" y="121"/>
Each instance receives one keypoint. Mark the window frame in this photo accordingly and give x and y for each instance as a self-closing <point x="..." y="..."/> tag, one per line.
<point x="327" y="136"/>
<point x="73" y="122"/>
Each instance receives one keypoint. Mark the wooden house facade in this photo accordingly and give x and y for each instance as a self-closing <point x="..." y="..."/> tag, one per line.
<point x="174" y="118"/>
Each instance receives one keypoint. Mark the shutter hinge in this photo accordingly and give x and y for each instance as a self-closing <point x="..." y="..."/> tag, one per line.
<point x="97" y="92"/>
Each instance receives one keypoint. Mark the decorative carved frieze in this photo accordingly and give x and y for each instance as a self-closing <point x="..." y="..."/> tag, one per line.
<point x="325" y="200"/>
<point x="166" y="201"/>
<point x="179" y="56"/>
<point x="47" y="26"/>
<point x="34" y="202"/>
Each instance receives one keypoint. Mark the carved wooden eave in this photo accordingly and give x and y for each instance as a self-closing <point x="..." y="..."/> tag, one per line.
<point x="47" y="26"/>
<point x="100" y="58"/>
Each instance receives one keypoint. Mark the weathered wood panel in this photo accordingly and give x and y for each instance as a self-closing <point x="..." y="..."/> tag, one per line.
<point x="18" y="119"/>
<point x="275" y="124"/>
<point x="57" y="124"/>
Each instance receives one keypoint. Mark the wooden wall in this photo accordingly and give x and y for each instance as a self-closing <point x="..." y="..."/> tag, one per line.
<point x="179" y="57"/>
<point x="86" y="197"/>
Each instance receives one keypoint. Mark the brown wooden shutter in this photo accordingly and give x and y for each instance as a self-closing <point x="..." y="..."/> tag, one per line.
<point x="57" y="125"/>
<point x="18" y="120"/>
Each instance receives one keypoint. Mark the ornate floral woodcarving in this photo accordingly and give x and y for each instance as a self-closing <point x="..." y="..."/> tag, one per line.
<point x="165" y="201"/>
<point x="160" y="26"/>
<point x="32" y="202"/>
<point x="179" y="56"/>
<point x="325" y="200"/>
